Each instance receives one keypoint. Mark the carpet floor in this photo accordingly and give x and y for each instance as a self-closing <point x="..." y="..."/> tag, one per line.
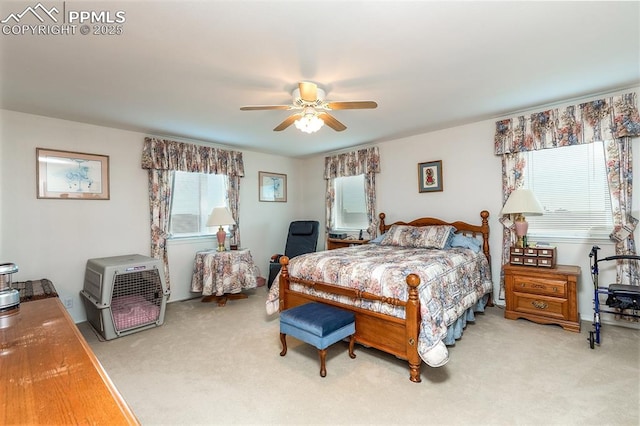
<point x="221" y="365"/>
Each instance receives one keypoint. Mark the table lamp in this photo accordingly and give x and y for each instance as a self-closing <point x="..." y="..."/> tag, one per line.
<point x="220" y="216"/>
<point x="522" y="202"/>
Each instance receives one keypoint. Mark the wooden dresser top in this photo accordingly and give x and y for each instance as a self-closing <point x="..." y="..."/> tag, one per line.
<point x="48" y="373"/>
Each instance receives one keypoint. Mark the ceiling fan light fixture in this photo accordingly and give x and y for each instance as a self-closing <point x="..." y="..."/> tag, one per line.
<point x="312" y="111"/>
<point x="309" y="122"/>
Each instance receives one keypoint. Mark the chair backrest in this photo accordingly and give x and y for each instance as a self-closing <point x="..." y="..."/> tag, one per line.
<point x="302" y="237"/>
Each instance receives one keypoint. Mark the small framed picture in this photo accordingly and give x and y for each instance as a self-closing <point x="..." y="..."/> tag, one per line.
<point x="430" y="176"/>
<point x="272" y="186"/>
<point x="70" y="175"/>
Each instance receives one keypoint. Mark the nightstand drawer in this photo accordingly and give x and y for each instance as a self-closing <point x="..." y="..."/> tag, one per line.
<point x="550" y="307"/>
<point x="542" y="286"/>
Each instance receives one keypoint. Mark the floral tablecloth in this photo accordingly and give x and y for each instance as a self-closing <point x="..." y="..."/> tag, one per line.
<point x="226" y="272"/>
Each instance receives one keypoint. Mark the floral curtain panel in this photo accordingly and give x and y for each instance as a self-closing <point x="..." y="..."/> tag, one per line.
<point x="161" y="157"/>
<point x="613" y="120"/>
<point x="513" y="166"/>
<point x="159" y="202"/>
<point x="363" y="161"/>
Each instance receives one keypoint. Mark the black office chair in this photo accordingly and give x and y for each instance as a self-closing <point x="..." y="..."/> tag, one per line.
<point x="302" y="238"/>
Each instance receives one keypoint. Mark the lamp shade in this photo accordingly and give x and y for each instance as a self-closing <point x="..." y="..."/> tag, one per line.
<point x="522" y="201"/>
<point x="220" y="216"/>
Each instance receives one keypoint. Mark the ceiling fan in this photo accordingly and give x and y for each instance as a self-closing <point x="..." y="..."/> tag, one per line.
<point x="312" y="109"/>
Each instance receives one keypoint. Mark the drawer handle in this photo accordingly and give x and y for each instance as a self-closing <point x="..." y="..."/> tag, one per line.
<point x="523" y="285"/>
<point x="539" y="305"/>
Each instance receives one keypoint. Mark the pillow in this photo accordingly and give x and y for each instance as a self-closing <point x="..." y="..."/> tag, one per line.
<point x="464" y="241"/>
<point x="436" y="236"/>
<point x="378" y="239"/>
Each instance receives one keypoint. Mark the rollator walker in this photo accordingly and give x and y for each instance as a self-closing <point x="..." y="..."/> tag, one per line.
<point x="619" y="296"/>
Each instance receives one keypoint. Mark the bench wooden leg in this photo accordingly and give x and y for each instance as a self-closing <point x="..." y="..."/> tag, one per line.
<point x="283" y="339"/>
<point x="352" y="342"/>
<point x="323" y="359"/>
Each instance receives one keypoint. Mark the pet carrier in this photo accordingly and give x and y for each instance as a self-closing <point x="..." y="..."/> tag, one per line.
<point x="124" y="294"/>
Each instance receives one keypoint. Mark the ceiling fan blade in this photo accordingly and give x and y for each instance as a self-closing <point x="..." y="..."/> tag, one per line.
<point x="286" y="123"/>
<point x="308" y="91"/>
<point x="330" y="121"/>
<point x="261" y="107"/>
<point x="352" y="105"/>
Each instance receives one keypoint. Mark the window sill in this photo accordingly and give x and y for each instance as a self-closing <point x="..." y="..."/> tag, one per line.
<point x="555" y="239"/>
<point x="190" y="239"/>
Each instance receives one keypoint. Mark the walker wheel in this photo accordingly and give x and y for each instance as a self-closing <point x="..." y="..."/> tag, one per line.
<point x="591" y="339"/>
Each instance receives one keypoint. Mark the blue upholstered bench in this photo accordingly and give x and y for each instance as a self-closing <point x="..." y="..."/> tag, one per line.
<point x="319" y="325"/>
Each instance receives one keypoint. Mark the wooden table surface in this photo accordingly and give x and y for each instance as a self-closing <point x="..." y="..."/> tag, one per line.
<point x="48" y="373"/>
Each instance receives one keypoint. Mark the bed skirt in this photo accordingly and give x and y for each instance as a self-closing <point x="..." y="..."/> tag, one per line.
<point x="455" y="330"/>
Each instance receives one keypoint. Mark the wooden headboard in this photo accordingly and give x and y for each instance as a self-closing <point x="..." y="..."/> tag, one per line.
<point x="461" y="228"/>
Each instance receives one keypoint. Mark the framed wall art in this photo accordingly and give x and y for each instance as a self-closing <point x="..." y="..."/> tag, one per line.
<point x="71" y="175"/>
<point x="272" y="186"/>
<point x="430" y="176"/>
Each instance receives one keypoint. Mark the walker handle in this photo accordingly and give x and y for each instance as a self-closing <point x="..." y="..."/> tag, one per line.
<point x="621" y="256"/>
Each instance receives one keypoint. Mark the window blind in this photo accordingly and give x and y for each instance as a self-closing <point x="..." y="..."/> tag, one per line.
<point x="571" y="184"/>
<point x="194" y="196"/>
<point x="350" y="206"/>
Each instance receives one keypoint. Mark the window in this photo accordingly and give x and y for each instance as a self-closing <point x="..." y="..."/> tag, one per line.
<point x="571" y="184"/>
<point x="194" y="197"/>
<point x="350" y="211"/>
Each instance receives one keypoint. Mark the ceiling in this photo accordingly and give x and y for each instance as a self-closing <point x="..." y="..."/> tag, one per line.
<point x="183" y="69"/>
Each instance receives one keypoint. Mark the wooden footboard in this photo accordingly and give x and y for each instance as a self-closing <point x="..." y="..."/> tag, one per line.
<point x="393" y="335"/>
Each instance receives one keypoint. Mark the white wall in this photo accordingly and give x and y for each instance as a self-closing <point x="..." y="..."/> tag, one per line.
<point x="263" y="225"/>
<point x="54" y="238"/>
<point x="313" y="208"/>
<point x="472" y="179"/>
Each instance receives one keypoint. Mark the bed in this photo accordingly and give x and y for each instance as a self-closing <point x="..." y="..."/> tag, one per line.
<point x="412" y="292"/>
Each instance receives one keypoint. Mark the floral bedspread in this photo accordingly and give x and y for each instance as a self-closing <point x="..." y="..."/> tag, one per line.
<point x="451" y="282"/>
<point x="217" y="273"/>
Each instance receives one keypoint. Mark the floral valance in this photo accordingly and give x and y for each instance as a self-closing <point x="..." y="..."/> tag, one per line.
<point x="362" y="161"/>
<point x="602" y="119"/>
<point x="162" y="154"/>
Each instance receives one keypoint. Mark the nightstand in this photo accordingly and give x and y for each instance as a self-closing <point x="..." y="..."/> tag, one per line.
<point x="334" y="243"/>
<point x="543" y="295"/>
